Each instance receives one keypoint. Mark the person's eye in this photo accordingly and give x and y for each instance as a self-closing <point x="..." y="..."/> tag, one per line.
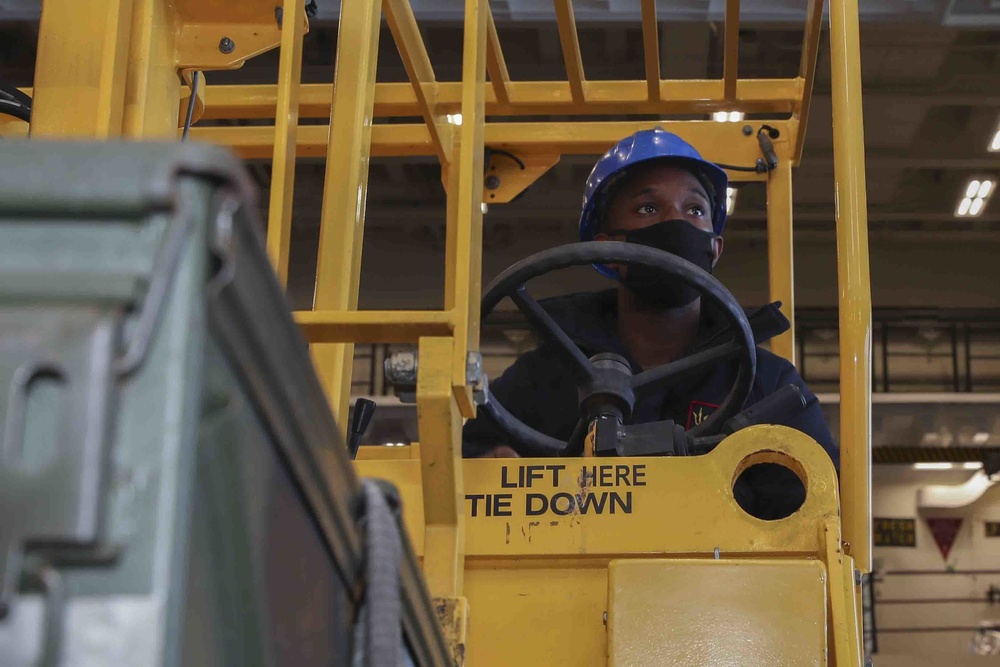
<point x="646" y="209"/>
<point x="697" y="210"/>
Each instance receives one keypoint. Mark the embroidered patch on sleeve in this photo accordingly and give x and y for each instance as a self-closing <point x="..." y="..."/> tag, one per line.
<point x="698" y="412"/>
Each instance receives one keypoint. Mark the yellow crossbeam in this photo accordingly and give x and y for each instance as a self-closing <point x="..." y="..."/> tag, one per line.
<point x="571" y="49"/>
<point x="528" y="98"/>
<point x="732" y="54"/>
<point x="723" y="142"/>
<point x="651" y="48"/>
<point x="403" y="25"/>
<point x="373" y="326"/>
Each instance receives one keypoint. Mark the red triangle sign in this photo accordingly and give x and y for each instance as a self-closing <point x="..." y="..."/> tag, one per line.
<point x="944" y="531"/>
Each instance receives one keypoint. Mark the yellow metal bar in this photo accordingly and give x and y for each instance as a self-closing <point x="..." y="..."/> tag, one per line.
<point x="373" y="326"/>
<point x="338" y="268"/>
<point x="571" y="49"/>
<point x="463" y="284"/>
<point x="81" y="68"/>
<point x="731" y="60"/>
<point x="854" y="279"/>
<point x="153" y="87"/>
<point x="495" y="64"/>
<point x="527" y="98"/>
<point x="651" y="48"/>
<point x="279" y="219"/>
<point x="402" y="23"/>
<point x="846" y="629"/>
<point x="780" y="256"/>
<point x="723" y="142"/>
<point x="440" y="426"/>
<point x="807" y="68"/>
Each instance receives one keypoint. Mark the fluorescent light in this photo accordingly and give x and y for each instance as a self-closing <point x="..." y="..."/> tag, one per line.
<point x="735" y="116"/>
<point x="976" y="193"/>
<point x="995" y="144"/>
<point x="933" y="466"/>
<point x="981" y="438"/>
<point x="720" y="116"/>
<point x="730" y="200"/>
<point x="972" y="465"/>
<point x="484" y="208"/>
<point x="455" y="118"/>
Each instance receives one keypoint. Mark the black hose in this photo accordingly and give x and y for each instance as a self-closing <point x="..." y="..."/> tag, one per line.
<point x="191" y="102"/>
<point x="15" y="103"/>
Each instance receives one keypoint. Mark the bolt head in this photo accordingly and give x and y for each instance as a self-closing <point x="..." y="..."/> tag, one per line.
<point x="227" y="45"/>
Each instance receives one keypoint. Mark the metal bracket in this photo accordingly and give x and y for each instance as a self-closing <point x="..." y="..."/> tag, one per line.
<point x="507" y="177"/>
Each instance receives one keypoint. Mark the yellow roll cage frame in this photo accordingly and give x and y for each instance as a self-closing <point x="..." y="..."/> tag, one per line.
<point x="123" y="68"/>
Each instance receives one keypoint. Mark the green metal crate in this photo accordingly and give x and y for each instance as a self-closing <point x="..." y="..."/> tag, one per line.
<point x="173" y="488"/>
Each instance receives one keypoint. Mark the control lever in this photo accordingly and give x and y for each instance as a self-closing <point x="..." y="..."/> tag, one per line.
<point x="364" y="409"/>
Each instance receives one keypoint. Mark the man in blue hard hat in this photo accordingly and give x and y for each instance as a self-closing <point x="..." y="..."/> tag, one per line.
<point x="655" y="189"/>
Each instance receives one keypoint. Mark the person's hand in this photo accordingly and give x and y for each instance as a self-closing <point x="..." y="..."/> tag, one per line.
<point x="501" y="452"/>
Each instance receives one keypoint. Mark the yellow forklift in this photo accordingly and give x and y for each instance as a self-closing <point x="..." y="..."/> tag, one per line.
<point x="174" y="486"/>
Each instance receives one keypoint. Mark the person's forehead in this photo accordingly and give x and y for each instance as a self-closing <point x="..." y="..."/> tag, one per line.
<point x="661" y="176"/>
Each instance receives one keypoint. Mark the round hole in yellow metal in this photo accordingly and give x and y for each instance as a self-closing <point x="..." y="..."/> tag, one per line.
<point x="770" y="485"/>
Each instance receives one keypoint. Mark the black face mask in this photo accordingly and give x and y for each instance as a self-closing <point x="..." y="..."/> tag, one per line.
<point x="678" y="237"/>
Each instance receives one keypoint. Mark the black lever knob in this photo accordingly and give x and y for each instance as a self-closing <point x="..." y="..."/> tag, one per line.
<point x="364" y="409"/>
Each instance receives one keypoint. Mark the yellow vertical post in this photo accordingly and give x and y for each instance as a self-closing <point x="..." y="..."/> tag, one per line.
<point x="440" y="427"/>
<point x="780" y="258"/>
<point x="153" y="88"/>
<point x="338" y="266"/>
<point x="464" y="251"/>
<point x="80" y="68"/>
<point x="286" y="123"/>
<point x="854" y="280"/>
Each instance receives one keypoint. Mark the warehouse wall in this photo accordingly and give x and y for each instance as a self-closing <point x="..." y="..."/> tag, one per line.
<point x="896" y="497"/>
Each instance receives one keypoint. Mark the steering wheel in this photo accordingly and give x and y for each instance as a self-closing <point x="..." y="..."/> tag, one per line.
<point x="604" y="378"/>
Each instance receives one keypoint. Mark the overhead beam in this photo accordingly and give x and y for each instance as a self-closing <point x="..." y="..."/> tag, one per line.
<point x="527" y="98"/>
<point x="410" y="44"/>
<point x="732" y="49"/>
<point x="651" y="48"/>
<point x="807" y="68"/>
<point x="495" y="64"/>
<point x="722" y="142"/>
<point x="571" y="49"/>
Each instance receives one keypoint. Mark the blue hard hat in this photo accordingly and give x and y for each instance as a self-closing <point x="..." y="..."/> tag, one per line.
<point x="643" y="146"/>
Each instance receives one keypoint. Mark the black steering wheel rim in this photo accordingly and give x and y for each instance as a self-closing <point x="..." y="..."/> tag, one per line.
<point x="511" y="282"/>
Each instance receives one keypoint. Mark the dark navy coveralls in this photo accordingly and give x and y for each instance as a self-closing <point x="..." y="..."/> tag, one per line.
<point x="538" y="390"/>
